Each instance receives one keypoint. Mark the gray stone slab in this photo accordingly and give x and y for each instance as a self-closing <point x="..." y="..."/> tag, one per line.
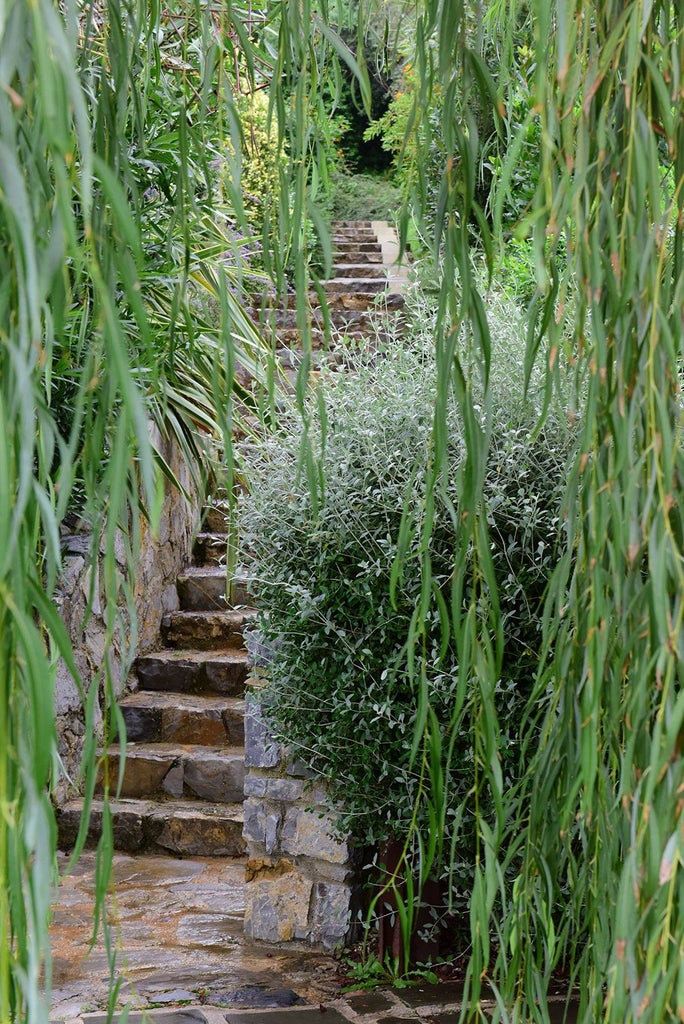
<point x="261" y="751"/>
<point x="186" y="1015"/>
<point x="286" y="1015"/>
<point x="256" y="997"/>
<point x="425" y="994"/>
<point x="368" y="1002"/>
<point x="255" y="785"/>
<point x="178" y="995"/>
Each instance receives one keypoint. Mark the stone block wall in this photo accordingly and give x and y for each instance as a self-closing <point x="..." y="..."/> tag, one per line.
<point x="301" y="874"/>
<point x="162" y="556"/>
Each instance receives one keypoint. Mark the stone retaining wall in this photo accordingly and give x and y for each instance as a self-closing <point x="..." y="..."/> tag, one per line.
<point x="161" y="558"/>
<point x="301" y="875"/>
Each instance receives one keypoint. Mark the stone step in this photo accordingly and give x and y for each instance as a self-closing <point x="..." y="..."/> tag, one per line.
<point x="351" y="224"/>
<point x="351" y="255"/>
<point x="350" y="245"/>
<point x="192" y="671"/>
<point x="359" y="270"/>
<point x="210" y="548"/>
<point x="286" y="336"/>
<point x="340" y="319"/>
<point x="203" y="588"/>
<point x="341" y="234"/>
<point x="190" y="771"/>
<point x="152" y="716"/>
<point x="184" y="828"/>
<point x="205" y="630"/>
<point x="365" y="285"/>
<point x="291" y="358"/>
<point x="355" y="299"/>
<point x="215" y="517"/>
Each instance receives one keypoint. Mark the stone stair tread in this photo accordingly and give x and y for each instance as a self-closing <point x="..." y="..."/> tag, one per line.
<point x="206" y="630"/>
<point x="194" y="571"/>
<point x="221" y="670"/>
<point x="181" y="701"/>
<point x="163" y="751"/>
<point x="363" y="245"/>
<point x="174" y="655"/>
<point x="198" y="572"/>
<point x="178" y="827"/>
<point x="141" y="805"/>
<point x="236" y="615"/>
<point x="359" y="270"/>
<point x="369" y="284"/>
<point x="361" y="300"/>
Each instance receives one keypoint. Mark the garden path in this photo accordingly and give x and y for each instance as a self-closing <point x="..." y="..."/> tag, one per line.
<point x="180" y="920"/>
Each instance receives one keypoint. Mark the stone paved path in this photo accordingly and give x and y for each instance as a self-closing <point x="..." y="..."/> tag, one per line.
<point x="183" y="956"/>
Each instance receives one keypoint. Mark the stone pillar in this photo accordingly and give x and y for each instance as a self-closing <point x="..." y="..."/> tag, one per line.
<point x="300" y="873"/>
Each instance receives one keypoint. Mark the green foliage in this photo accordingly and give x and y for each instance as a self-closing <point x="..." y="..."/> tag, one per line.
<point x="340" y="686"/>
<point x="410" y="139"/>
<point x="522" y="128"/>
<point x="371" y="973"/>
<point x="362" y="197"/>
<point x="260" y="162"/>
<point x="105" y="215"/>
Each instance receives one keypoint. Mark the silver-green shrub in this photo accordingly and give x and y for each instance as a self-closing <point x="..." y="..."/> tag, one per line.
<point x="338" y="688"/>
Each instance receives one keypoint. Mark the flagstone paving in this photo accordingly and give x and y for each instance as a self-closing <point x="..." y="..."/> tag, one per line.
<point x="183" y="958"/>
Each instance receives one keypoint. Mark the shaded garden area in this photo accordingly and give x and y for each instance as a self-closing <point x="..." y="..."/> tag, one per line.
<point x="467" y="548"/>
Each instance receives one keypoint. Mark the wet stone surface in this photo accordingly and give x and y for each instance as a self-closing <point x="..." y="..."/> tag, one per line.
<point x="256" y="997"/>
<point x="305" y="1015"/>
<point x="179" y="926"/>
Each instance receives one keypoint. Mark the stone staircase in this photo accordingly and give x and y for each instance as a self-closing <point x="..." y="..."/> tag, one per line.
<point x="363" y="298"/>
<point x="182" y="786"/>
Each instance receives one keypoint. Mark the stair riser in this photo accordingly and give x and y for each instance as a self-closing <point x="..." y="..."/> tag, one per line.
<point x="346" y="245"/>
<point x="215" y="520"/>
<point x="360" y="270"/>
<point x="360" y="301"/>
<point x="354" y="235"/>
<point x="216" y="779"/>
<point x="210" y="549"/>
<point x="202" y="631"/>
<point x="143" y="829"/>
<point x="207" y="592"/>
<point x="221" y="677"/>
<point x="176" y="725"/>
<point x="366" y="285"/>
<point x="340" y="319"/>
<point x="367" y="258"/>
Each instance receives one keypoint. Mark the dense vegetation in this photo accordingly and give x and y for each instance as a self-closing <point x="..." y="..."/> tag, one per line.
<point x="556" y="125"/>
<point x="341" y="689"/>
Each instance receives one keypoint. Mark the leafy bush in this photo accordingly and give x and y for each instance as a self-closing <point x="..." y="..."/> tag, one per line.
<point x="339" y="689"/>
<point x="362" y="197"/>
<point x="258" y="167"/>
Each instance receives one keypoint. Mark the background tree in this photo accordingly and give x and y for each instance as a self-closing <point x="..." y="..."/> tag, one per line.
<point x="595" y="827"/>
